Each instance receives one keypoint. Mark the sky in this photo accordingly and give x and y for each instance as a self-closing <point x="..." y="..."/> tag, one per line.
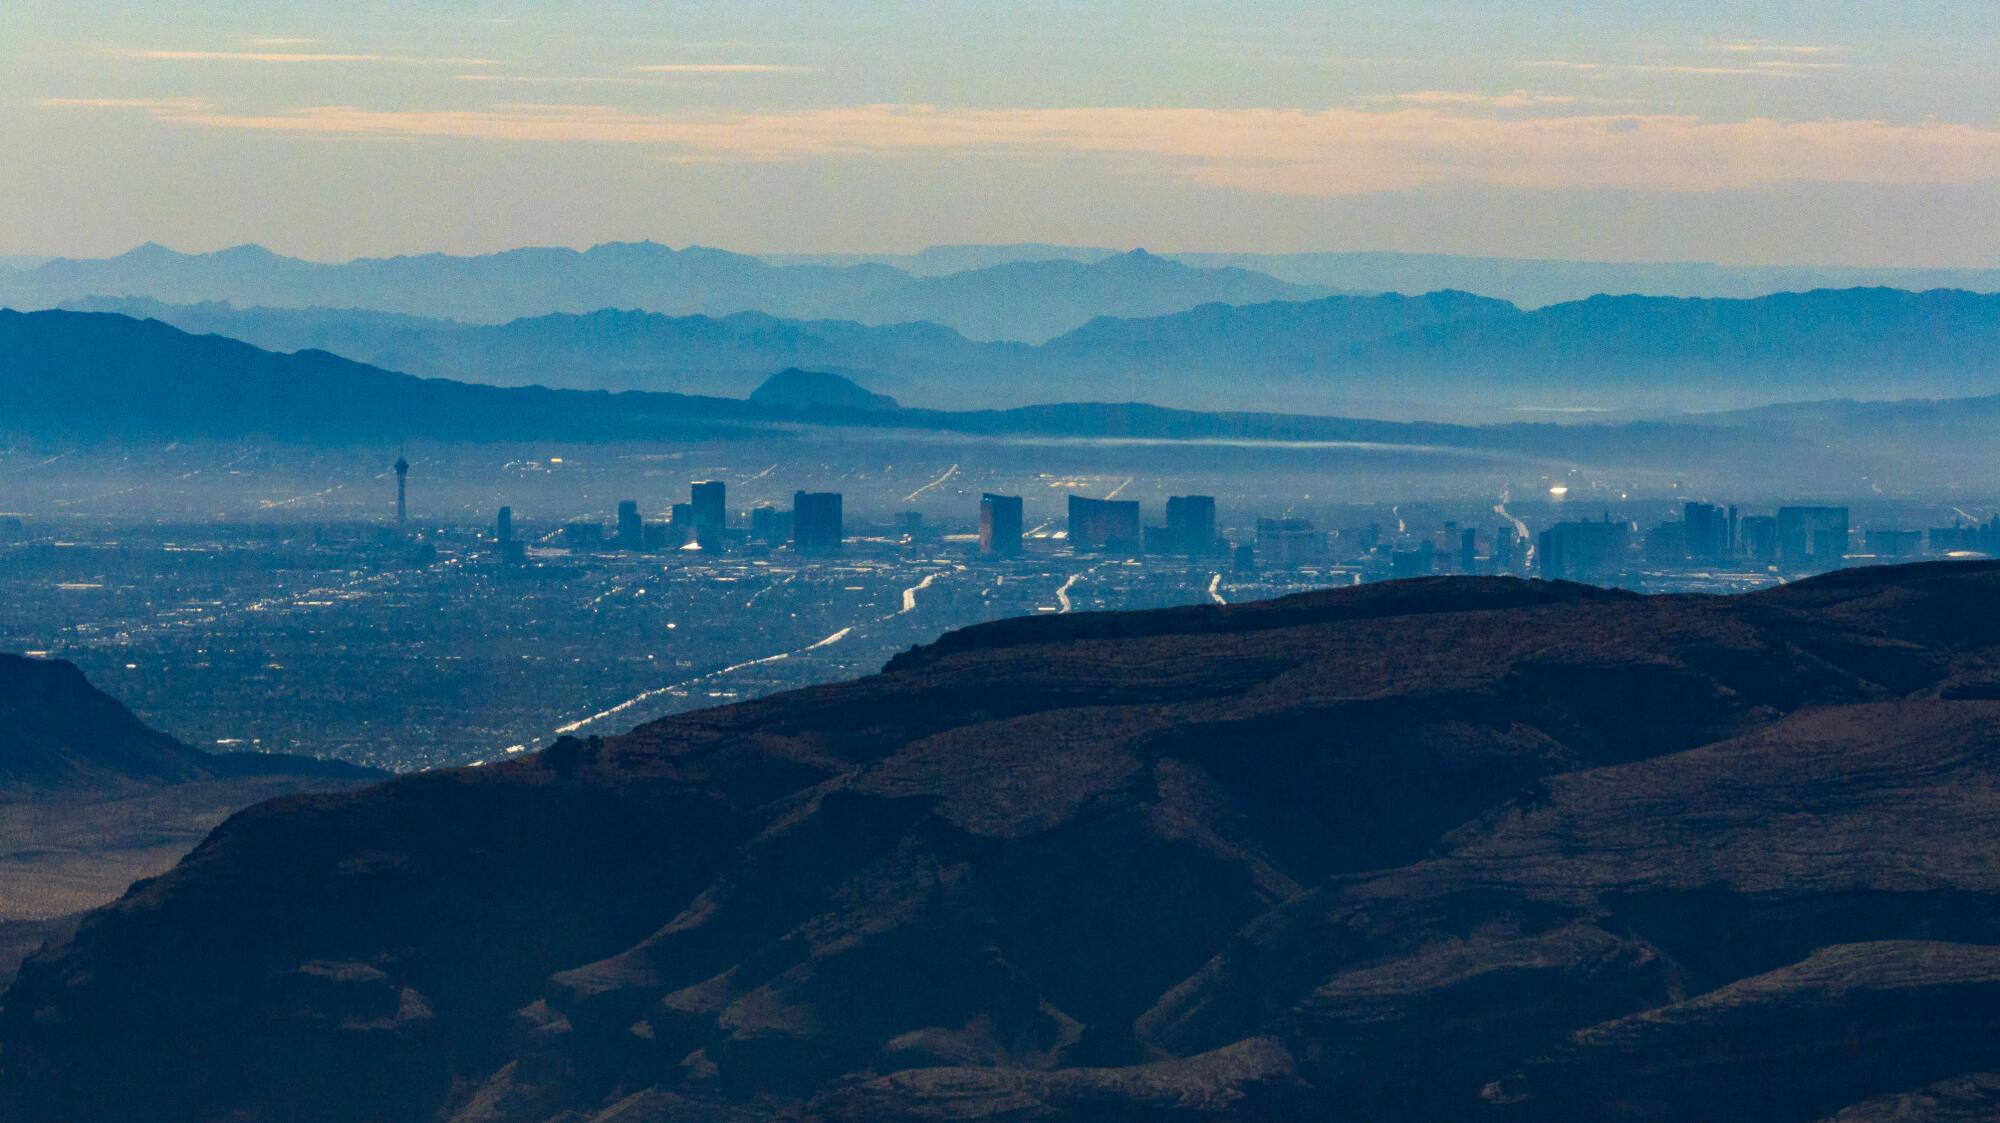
<point x="1777" y="132"/>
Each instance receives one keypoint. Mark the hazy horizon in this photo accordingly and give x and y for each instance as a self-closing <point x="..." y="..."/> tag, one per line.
<point x="800" y="255"/>
<point x="1836" y="134"/>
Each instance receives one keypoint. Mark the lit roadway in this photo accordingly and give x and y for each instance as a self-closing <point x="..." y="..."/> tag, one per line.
<point x="947" y="474"/>
<point x="908" y="605"/>
<point x="1520" y="528"/>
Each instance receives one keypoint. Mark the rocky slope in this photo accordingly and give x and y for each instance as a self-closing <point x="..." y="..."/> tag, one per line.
<point x="1441" y="849"/>
<point x="91" y="798"/>
<point x="58" y="732"/>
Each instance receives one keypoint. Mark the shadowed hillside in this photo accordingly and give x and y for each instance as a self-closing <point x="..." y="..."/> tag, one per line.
<point x="1452" y="848"/>
<point x="58" y="732"/>
<point x="91" y="798"/>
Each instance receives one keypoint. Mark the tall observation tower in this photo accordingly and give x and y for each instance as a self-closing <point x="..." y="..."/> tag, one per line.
<point x="402" y="483"/>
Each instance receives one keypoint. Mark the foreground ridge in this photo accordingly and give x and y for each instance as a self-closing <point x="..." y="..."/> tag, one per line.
<point x="1441" y="849"/>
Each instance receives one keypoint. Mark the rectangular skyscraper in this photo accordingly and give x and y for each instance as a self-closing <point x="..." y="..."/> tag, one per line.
<point x="511" y="551"/>
<point x="710" y="508"/>
<point x="769" y="525"/>
<point x="999" y="525"/>
<point x="1812" y="538"/>
<point x="1759" y="535"/>
<point x="1191" y="524"/>
<point x="711" y="504"/>
<point x="631" y="531"/>
<point x="1103" y="524"/>
<point x="1289" y="541"/>
<point x="1895" y="543"/>
<point x="816" y="520"/>
<point x="1708" y="532"/>
<point x="1584" y="551"/>
<point x="582" y="538"/>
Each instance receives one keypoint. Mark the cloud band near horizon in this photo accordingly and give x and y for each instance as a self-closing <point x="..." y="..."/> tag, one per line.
<point x="1326" y="152"/>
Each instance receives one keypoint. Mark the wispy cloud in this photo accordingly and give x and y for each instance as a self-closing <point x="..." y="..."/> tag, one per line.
<point x="159" y="105"/>
<point x="1516" y="99"/>
<point x="1780" y="61"/>
<point x="1760" y="68"/>
<point x="295" y="56"/>
<point x="557" y="79"/>
<point x="276" y="40"/>
<point x="720" y="68"/>
<point x="1281" y="151"/>
<point x="1759" y="47"/>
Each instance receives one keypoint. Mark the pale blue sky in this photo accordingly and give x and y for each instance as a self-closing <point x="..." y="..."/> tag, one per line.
<point x="1770" y="132"/>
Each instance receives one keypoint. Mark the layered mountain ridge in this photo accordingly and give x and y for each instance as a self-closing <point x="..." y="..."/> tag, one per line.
<point x="78" y="378"/>
<point x="1452" y="848"/>
<point x="1529" y="282"/>
<point x="1022" y="300"/>
<point x="1388" y="355"/>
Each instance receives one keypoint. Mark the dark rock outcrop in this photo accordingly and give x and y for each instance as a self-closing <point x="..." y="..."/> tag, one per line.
<point x="58" y="732"/>
<point x="1440" y="849"/>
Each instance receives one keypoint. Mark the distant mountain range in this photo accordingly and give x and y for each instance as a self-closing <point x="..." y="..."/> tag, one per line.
<point x="1028" y="293"/>
<point x="91" y="377"/>
<point x="1528" y="282"/>
<point x="1037" y="300"/>
<point x="1443" y="355"/>
<point x="1451" y="848"/>
<point x="936" y="261"/>
<point x="1029" y="301"/>
<point x="101" y="376"/>
<point x="601" y="350"/>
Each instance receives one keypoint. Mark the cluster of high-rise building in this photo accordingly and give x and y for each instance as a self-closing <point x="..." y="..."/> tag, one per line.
<point x="1115" y="526"/>
<point x="1963" y="537"/>
<point x="1797" y="539"/>
<point x="813" y="524"/>
<point x="1793" y="539"/>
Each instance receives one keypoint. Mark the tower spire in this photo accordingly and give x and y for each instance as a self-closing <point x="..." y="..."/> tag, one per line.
<point x="402" y="484"/>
